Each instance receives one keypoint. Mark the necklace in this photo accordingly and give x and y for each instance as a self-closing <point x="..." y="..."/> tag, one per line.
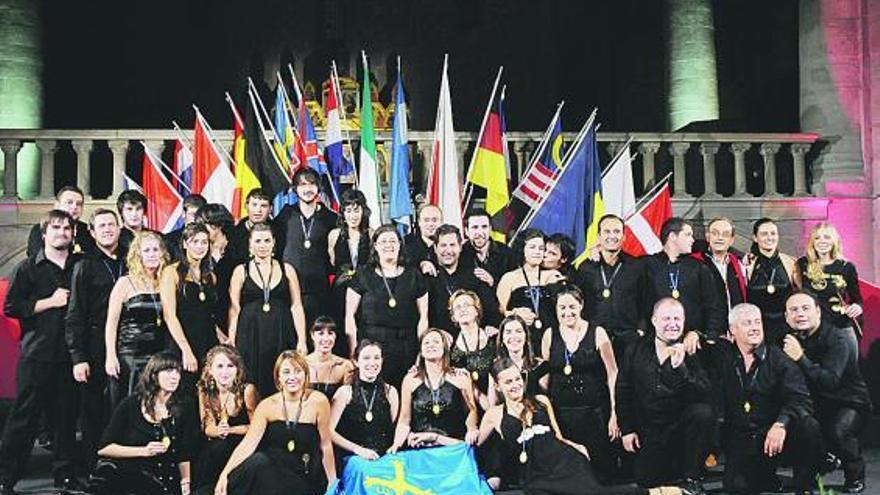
<point x="673" y="281"/>
<point x="368" y="405"/>
<point x="534" y="293"/>
<point x="475" y="373"/>
<point x="198" y="282"/>
<point x="157" y="307"/>
<point x="307" y="234"/>
<point x="435" y="393"/>
<point x="291" y="425"/>
<point x="606" y="281"/>
<point x="265" y="285"/>
<point x="392" y="301"/>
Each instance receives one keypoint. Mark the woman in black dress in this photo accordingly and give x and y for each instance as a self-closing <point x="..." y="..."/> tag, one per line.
<point x="226" y="406"/>
<point x="474" y="348"/>
<point x="514" y="343"/>
<point x="583" y="376"/>
<point x="363" y="414"/>
<point x="288" y="447"/>
<point x="436" y="403"/>
<point x="349" y="248"/>
<point x="527" y="291"/>
<point x="220" y="226"/>
<point x="145" y="449"/>
<point x="388" y="303"/>
<point x="552" y="464"/>
<point x="327" y="371"/>
<point x="832" y="280"/>
<point x="265" y="309"/>
<point x="189" y="302"/>
<point x="135" y="329"/>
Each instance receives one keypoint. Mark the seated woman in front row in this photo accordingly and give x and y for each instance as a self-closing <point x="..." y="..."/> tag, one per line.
<point x="327" y="371"/>
<point x="288" y="447"/>
<point x="553" y="464"/>
<point x="436" y="403"/>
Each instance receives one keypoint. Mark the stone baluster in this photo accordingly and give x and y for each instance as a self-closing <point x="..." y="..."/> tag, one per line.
<point x="523" y="151"/>
<point x="678" y="151"/>
<point x="119" y="150"/>
<point x="47" y="149"/>
<point x="648" y="151"/>
<point x="710" y="184"/>
<point x="798" y="153"/>
<point x="768" y="151"/>
<point x="739" y="168"/>
<point x="422" y="154"/>
<point x="83" y="148"/>
<point x="10" y="149"/>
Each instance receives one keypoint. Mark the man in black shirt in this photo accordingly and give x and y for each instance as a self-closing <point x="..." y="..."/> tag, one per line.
<point x="451" y="276"/>
<point x="662" y="404"/>
<point x="767" y="409"/>
<point x="37" y="297"/>
<point x="488" y="258"/>
<point x="303" y="230"/>
<point x="417" y="244"/>
<point x="69" y="199"/>
<point x="612" y="286"/>
<point x="93" y="279"/>
<point x="259" y="208"/>
<point x="843" y="405"/>
<point x="725" y="266"/>
<point x="672" y="273"/>
<point x="191" y="206"/>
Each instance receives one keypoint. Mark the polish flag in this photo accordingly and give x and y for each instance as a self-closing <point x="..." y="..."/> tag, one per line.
<point x="643" y="227"/>
<point x="212" y="175"/>
<point x="164" y="203"/>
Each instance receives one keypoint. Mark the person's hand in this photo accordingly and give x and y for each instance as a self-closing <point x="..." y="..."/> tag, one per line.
<point x="853" y="311"/>
<point x="184" y="487"/>
<point x="81" y="372"/>
<point x="154" y="448"/>
<point x="190" y="363"/>
<point x="220" y="487"/>
<point x="593" y="253"/>
<point x="484" y="276"/>
<point x="792" y="347"/>
<point x="775" y="440"/>
<point x="691" y="342"/>
<point x="301" y="348"/>
<point x="58" y="299"/>
<point x="421" y="439"/>
<point x="393" y="449"/>
<point x="631" y="442"/>
<point x="367" y="454"/>
<point x="111" y="365"/>
<point x="582" y="449"/>
<point x="676" y="354"/>
<point x="526" y="314"/>
<point x="223" y="429"/>
<point x="613" y="429"/>
<point x="491" y="331"/>
<point x="748" y="259"/>
<point x="471" y="437"/>
<point x="428" y="268"/>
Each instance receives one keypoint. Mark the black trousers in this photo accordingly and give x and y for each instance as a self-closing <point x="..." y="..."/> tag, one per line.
<point x="43" y="388"/>
<point x="841" y="428"/>
<point x="96" y="411"/>
<point x="675" y="451"/>
<point x="749" y="470"/>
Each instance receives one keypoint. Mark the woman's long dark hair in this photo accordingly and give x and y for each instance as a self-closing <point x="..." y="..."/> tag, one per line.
<point x="374" y="255"/>
<point x="148" y="389"/>
<point x="501" y="349"/>
<point x="504" y="363"/>
<point x="206" y="265"/>
<point x="355" y="380"/>
<point x="354" y="197"/>
<point x="445" y="363"/>
<point x="519" y="244"/>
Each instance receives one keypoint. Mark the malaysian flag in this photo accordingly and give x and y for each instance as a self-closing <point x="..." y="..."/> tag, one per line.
<point x="537" y="180"/>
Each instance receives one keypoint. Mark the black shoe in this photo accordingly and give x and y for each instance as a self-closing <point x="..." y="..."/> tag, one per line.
<point x="855" y="486"/>
<point x="692" y="486"/>
<point x="830" y="464"/>
<point x="7" y="488"/>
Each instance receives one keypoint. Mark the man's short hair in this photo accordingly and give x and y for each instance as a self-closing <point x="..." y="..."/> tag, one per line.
<point x="737" y="311"/>
<point x="99" y="212"/>
<point x="69" y="189"/>
<point x="258" y="193"/>
<point x="610" y="216"/>
<point x="53" y="216"/>
<point x="307" y="175"/>
<point x="673" y="225"/>
<point x="477" y="212"/>
<point x="447" y="229"/>
<point x="663" y="301"/>
<point x="722" y="219"/>
<point x="130" y="197"/>
<point x="194" y="201"/>
<point x="216" y="215"/>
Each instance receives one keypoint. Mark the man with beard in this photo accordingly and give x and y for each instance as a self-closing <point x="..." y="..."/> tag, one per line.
<point x="93" y="279"/>
<point x="37" y="297"/>
<point x="767" y="410"/>
<point x="843" y="405"/>
<point x="671" y="273"/>
<point x="450" y="277"/>
<point x="417" y="245"/>
<point x="611" y="286"/>
<point x="69" y="199"/>
<point x="302" y="241"/>
<point x="259" y="208"/>
<point x="662" y="404"/>
<point x="488" y="258"/>
<point x="725" y="266"/>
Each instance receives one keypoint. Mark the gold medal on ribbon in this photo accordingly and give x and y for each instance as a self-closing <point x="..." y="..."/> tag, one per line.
<point x="676" y="294"/>
<point x="307" y="244"/>
<point x="158" y="321"/>
<point x="538" y="324"/>
<point x="566" y="370"/>
<point x="523" y="457"/>
<point x="392" y="302"/>
<point x="838" y="308"/>
<point x="747" y="407"/>
<point x="77" y="248"/>
<point x="266" y="307"/>
<point x="202" y="296"/>
<point x="291" y="445"/>
<point x="369" y="416"/>
<point x="606" y="293"/>
<point x="436" y="409"/>
<point x="166" y="441"/>
<point x="475" y="375"/>
<point x="771" y="289"/>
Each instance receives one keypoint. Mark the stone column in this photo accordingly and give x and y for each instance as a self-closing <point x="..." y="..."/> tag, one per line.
<point x="798" y="151"/>
<point x="119" y="150"/>
<point x="768" y="151"/>
<point x="648" y="150"/>
<point x="709" y="150"/>
<point x="739" y="169"/>
<point x="693" y="82"/>
<point x="523" y="151"/>
<point x="10" y="149"/>
<point x="47" y="149"/>
<point x="83" y="175"/>
<point x="678" y="150"/>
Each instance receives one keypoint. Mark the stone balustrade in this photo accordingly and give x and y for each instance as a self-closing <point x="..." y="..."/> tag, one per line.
<point x="703" y="165"/>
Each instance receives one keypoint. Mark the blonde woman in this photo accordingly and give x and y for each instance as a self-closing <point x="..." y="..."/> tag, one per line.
<point x="135" y="328"/>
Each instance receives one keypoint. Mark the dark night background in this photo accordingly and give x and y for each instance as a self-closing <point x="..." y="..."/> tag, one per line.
<point x="111" y="64"/>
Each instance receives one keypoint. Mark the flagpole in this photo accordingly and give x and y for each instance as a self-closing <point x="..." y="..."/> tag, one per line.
<point x="570" y="153"/>
<point x="181" y="135"/>
<point x="469" y="188"/>
<point x="646" y="198"/>
<point x="156" y="159"/>
<point x="545" y="141"/>
<point x="617" y="155"/>
<point x="288" y="108"/>
<point x="211" y="134"/>
<point x="253" y="88"/>
<point x="262" y="130"/>
<point x="340" y="107"/>
<point x="235" y="114"/>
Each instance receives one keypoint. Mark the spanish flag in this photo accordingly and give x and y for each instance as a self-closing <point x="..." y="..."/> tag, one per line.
<point x="491" y="166"/>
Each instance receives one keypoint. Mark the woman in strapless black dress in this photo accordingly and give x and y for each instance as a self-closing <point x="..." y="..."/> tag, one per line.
<point x="364" y="411"/>
<point x="226" y="405"/>
<point x="288" y="447"/>
<point x="327" y="370"/>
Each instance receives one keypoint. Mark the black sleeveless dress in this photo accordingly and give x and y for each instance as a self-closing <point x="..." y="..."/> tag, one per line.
<point x="141" y="333"/>
<point x="770" y="271"/>
<point x="552" y="467"/>
<point x="477" y="361"/>
<point x="581" y="398"/>
<point x="328" y="389"/>
<point x="376" y="435"/>
<point x="262" y="335"/>
<point x="544" y="295"/>
<point x="275" y="470"/>
<point x="450" y="421"/>
<point x="344" y="270"/>
<point x="214" y="453"/>
<point x="197" y="317"/>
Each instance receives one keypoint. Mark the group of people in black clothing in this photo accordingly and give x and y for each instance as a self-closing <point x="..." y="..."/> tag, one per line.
<point x="254" y="358"/>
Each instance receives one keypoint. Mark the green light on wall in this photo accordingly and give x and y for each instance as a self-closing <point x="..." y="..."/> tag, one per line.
<point x="693" y="80"/>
